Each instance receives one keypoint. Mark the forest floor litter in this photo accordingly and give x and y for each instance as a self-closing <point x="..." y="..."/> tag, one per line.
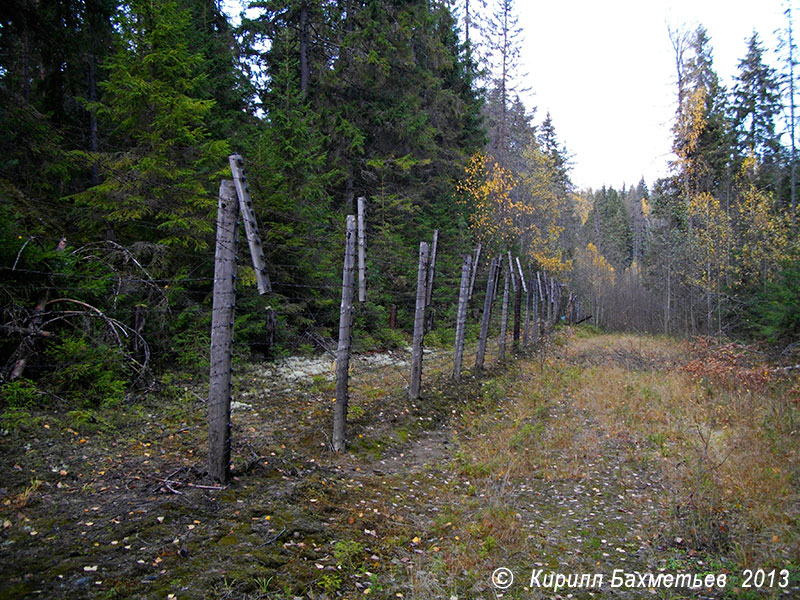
<point x="599" y="452"/>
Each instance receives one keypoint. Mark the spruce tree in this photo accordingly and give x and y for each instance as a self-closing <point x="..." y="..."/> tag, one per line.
<point x="157" y="183"/>
<point x="755" y="106"/>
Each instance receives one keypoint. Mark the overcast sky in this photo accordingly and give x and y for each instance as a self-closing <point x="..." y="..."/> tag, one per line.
<point x="606" y="72"/>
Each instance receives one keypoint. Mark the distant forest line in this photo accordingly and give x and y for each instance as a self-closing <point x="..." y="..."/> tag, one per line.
<point x="117" y="119"/>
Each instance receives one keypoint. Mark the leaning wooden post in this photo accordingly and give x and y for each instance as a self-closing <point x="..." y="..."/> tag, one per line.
<point x="250" y="225"/>
<point x="511" y="271"/>
<point x="504" y="317"/>
<point x="362" y="252"/>
<point x="429" y="286"/>
<point x="487" y="313"/>
<point x="461" y="317"/>
<point x="224" y="301"/>
<point x="431" y="269"/>
<point x="498" y="267"/>
<point x="419" y="324"/>
<point x="539" y="286"/>
<point x="475" y="264"/>
<point x="345" y="330"/>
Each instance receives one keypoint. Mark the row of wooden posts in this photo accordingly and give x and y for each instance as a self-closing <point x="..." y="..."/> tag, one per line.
<point x="541" y="294"/>
<point x="542" y="309"/>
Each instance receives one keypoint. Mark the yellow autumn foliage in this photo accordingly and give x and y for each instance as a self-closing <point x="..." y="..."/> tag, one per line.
<point x="763" y="237"/>
<point x="507" y="210"/>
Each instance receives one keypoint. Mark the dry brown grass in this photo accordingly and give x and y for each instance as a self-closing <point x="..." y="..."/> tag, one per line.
<point x="727" y="454"/>
<point x="725" y="431"/>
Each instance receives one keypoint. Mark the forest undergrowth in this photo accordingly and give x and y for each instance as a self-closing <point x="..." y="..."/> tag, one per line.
<point x="598" y="452"/>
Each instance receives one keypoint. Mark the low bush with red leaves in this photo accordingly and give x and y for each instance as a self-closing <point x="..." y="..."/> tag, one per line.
<point x="730" y="364"/>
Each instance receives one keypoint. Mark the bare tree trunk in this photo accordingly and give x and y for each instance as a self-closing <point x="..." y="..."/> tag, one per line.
<point x="139" y="319"/>
<point x="362" y="251"/>
<point x="792" y="123"/>
<point x="669" y="298"/>
<point x="304" y="44"/>
<point x="349" y="195"/>
<point x="93" y="142"/>
<point x="27" y="348"/>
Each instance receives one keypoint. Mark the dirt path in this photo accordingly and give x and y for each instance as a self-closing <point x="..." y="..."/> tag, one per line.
<point x="578" y="461"/>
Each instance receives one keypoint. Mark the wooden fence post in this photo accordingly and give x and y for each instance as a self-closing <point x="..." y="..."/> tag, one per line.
<point x="517" y="317"/>
<point x="343" y="350"/>
<point x="537" y="303"/>
<point x="362" y="251"/>
<point x="431" y="269"/>
<point x="568" y="311"/>
<point x="429" y="313"/>
<point x="498" y="268"/>
<point x="504" y="316"/>
<point x="517" y="302"/>
<point x="539" y="286"/>
<point x="475" y="264"/>
<point x="271" y="328"/>
<point x="548" y="292"/>
<point x="139" y="319"/>
<point x="511" y="271"/>
<point x="419" y="324"/>
<point x="487" y="313"/>
<point x="250" y="225"/>
<point x="461" y="317"/>
<point x="219" y="386"/>
<point x="557" y="305"/>
<point x="527" y="322"/>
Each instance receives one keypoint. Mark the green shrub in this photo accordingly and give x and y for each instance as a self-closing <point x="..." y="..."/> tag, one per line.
<point x="16" y="418"/>
<point x="775" y="311"/>
<point x="20" y="393"/>
<point x="191" y="338"/>
<point x="390" y="339"/>
<point x="86" y="373"/>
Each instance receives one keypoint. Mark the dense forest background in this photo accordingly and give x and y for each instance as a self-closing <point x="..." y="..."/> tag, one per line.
<point x="117" y="118"/>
